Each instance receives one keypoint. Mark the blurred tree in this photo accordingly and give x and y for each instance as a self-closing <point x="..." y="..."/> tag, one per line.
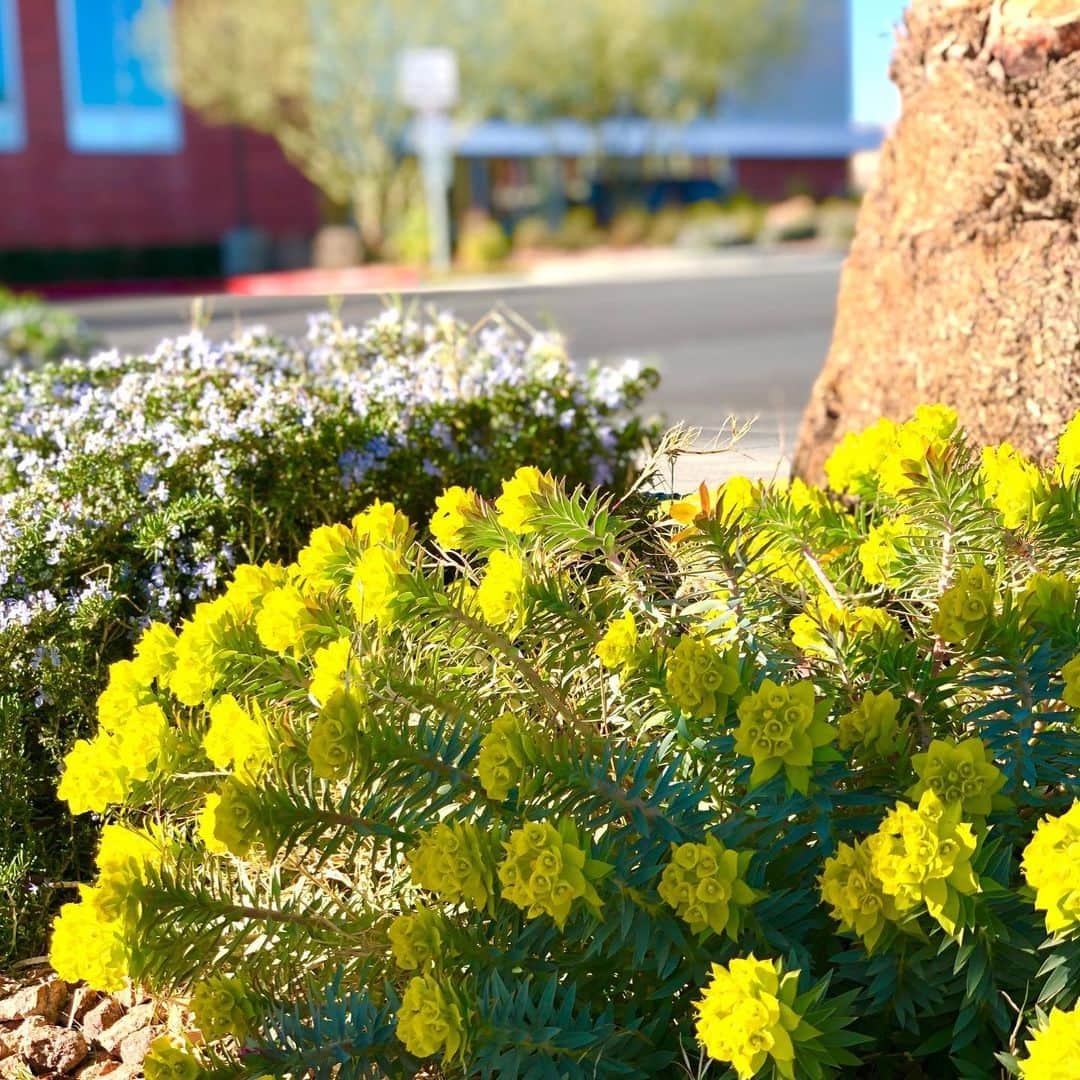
<point x="320" y="75"/>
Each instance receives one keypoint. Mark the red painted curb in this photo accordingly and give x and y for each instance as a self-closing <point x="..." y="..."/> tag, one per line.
<point x="323" y="282"/>
<point x="284" y="283"/>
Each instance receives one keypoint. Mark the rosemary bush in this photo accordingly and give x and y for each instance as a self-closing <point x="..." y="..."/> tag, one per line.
<point x="778" y="777"/>
<point x="130" y="486"/>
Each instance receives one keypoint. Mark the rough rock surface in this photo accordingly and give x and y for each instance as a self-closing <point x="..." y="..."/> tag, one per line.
<point x="963" y="283"/>
<point x="55" y="1030"/>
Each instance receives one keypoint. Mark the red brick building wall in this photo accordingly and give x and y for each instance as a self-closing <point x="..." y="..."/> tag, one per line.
<point x="771" y="179"/>
<point x="56" y="198"/>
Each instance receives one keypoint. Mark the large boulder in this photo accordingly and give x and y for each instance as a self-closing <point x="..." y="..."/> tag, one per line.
<point x="963" y="283"/>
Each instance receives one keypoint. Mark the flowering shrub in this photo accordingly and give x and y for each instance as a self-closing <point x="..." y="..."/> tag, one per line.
<point x="131" y="486"/>
<point x="591" y="790"/>
<point x="31" y="330"/>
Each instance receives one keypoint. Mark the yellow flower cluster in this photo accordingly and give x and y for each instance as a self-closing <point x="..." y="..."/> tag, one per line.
<point x="779" y="730"/>
<point x="170" y="1058"/>
<point x="1068" y="454"/>
<point x="232" y="819"/>
<point x="87" y="945"/>
<point x="888" y="455"/>
<point x="871" y="727"/>
<point x="430" y="1020"/>
<point x="859" y="903"/>
<point x="90" y="938"/>
<point x="454" y="860"/>
<point x="726" y="503"/>
<point x="501" y="593"/>
<point x="824" y="625"/>
<point x="884" y="547"/>
<point x="966" y="606"/>
<point x="1051" y="866"/>
<point x="1053" y="1053"/>
<point x="325" y="562"/>
<point x="335" y="667"/>
<point x="132" y="738"/>
<point x="416" y="940"/>
<point x="1015" y="485"/>
<point x="238" y="738"/>
<point x="335" y="745"/>
<point x="209" y="635"/>
<point x="1047" y="601"/>
<point x="453" y="509"/>
<point x="1070" y="672"/>
<point x="222" y="1006"/>
<point x="517" y="504"/>
<point x="376" y="582"/>
<point x="617" y="648"/>
<point x="546" y="869"/>
<point x="504" y="753"/>
<point x="923" y="856"/>
<point x="961" y="773"/>
<point x="206" y="825"/>
<point x="917" y="857"/>
<point x="705" y="884"/>
<point x="383" y="535"/>
<point x="155" y="655"/>
<point x="745" y="1016"/>
<point x="700" y="679"/>
<point x="287" y="621"/>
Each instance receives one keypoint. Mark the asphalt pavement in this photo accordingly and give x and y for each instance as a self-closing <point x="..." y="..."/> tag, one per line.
<point x="733" y="337"/>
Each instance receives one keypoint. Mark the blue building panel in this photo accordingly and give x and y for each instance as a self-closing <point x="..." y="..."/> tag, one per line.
<point x="810" y="87"/>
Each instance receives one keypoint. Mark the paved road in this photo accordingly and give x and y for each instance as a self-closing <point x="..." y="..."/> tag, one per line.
<point x="744" y="338"/>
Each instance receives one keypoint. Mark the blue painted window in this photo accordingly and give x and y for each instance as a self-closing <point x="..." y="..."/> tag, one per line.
<point x="12" y="133"/>
<point x="115" y="80"/>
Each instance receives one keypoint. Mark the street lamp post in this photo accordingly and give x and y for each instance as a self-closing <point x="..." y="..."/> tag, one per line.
<point x="428" y="84"/>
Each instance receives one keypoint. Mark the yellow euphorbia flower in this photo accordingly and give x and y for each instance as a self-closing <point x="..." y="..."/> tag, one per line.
<point x="705" y="885"/>
<point x="430" y="1020"/>
<point x="546" y="870"/>
<point x="700" y="679"/>
<point x="966" y="606"/>
<point x="617" y="647"/>
<point x="851" y="888"/>
<point x="961" y="773"/>
<point x="1051" y="866"/>
<point x="745" y="1016"/>
<point x="1053" y="1053"/>
<point x="923" y="856"/>
<point x="517" y="503"/>
<point x="416" y="939"/>
<point x="453" y="508"/>
<point x="779" y="730"/>
<point x="1015" y="485"/>
<point x="501" y="593"/>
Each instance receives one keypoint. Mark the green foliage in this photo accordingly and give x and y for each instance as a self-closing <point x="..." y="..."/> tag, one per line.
<point x="131" y="485"/>
<point x="482" y="245"/>
<point x="578" y="229"/>
<point x="630" y="226"/>
<point x="613" y="784"/>
<point x="531" y="233"/>
<point x="31" y="330"/>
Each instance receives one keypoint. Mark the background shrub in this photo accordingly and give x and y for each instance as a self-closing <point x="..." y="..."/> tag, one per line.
<point x="531" y="233"/>
<point x="131" y="485"/>
<point x="31" y="330"/>
<point x="789" y="775"/>
<point x="482" y="245"/>
<point x="629" y="226"/>
<point x="578" y="229"/>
